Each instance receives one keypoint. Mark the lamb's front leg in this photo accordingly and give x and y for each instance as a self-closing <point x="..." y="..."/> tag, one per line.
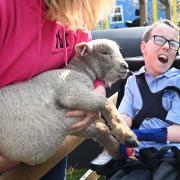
<point x="79" y="98"/>
<point x="82" y="98"/>
<point x="101" y="133"/>
<point x="118" y="126"/>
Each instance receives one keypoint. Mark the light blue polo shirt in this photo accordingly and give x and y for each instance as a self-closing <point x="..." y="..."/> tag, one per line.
<point x="132" y="101"/>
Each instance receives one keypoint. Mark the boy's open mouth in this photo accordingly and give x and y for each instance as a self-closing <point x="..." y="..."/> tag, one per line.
<point x="163" y="59"/>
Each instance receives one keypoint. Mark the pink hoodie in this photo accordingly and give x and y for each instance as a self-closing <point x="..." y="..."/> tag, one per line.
<point x="31" y="44"/>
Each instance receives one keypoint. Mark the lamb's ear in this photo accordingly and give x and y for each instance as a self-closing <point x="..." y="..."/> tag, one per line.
<point x="82" y="49"/>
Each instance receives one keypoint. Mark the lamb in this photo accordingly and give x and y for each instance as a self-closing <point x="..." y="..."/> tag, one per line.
<point x="33" y="122"/>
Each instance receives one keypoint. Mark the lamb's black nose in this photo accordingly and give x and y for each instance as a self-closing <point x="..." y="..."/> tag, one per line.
<point x="125" y="66"/>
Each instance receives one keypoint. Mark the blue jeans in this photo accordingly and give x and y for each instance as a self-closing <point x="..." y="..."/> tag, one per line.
<point x="58" y="172"/>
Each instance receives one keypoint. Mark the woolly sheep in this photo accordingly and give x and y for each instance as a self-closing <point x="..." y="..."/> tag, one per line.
<point x="33" y="124"/>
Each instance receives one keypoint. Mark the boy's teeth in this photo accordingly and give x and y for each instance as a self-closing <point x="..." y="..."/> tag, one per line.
<point x="163" y="56"/>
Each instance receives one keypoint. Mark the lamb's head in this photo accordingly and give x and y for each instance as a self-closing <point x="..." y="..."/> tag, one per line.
<point x="104" y="58"/>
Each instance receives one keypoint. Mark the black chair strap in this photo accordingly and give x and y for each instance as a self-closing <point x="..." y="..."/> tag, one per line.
<point x="121" y="89"/>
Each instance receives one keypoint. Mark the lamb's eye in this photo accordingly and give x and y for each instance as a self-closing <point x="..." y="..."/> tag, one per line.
<point x="105" y="52"/>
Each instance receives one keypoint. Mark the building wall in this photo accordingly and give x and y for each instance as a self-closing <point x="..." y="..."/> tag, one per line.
<point x="125" y="12"/>
<point x="150" y="12"/>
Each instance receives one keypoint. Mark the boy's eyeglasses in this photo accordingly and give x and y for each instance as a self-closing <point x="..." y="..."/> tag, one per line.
<point x="160" y="40"/>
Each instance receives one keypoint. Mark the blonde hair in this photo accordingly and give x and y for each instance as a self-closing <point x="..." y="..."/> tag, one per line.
<point x="79" y="13"/>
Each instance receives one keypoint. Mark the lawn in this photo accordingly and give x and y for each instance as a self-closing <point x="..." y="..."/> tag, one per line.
<point x="76" y="174"/>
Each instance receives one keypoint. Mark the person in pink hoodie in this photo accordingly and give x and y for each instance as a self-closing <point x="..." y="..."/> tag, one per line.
<point x="40" y="35"/>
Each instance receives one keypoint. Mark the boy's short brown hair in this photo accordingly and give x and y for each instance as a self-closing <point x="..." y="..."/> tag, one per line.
<point x="147" y="33"/>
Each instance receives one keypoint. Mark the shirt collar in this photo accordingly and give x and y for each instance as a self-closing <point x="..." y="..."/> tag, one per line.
<point x="171" y="72"/>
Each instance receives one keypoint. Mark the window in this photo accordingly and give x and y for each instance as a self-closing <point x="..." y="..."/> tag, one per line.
<point x="117" y="16"/>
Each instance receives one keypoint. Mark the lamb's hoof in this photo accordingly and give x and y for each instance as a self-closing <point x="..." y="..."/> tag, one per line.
<point x="131" y="142"/>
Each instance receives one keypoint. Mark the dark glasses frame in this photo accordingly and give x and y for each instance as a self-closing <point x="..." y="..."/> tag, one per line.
<point x="160" y="40"/>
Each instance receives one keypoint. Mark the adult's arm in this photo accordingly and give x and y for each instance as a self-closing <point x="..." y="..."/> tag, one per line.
<point x="6" y="164"/>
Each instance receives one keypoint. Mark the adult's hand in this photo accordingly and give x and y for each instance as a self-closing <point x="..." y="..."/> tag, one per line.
<point x="6" y="164"/>
<point x="86" y="117"/>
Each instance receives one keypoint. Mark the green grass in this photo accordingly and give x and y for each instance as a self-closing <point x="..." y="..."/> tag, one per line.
<point x="76" y="174"/>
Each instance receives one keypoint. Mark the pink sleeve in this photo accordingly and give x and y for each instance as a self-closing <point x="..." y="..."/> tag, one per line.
<point x="83" y="36"/>
<point x="4" y="18"/>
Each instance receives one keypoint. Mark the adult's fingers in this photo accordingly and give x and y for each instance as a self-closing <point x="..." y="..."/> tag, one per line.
<point x="84" y="123"/>
<point x="76" y="113"/>
<point x="6" y="164"/>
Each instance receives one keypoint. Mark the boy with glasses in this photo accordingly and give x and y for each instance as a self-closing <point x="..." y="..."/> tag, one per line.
<point x="151" y="106"/>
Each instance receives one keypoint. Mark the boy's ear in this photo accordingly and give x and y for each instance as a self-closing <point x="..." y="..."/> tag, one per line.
<point x="142" y="46"/>
<point x="82" y="49"/>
